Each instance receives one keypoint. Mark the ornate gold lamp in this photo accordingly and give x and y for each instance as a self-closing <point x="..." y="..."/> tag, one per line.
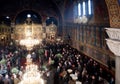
<point x="32" y="74"/>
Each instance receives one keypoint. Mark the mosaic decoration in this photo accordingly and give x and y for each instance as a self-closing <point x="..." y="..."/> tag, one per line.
<point x="114" y="12"/>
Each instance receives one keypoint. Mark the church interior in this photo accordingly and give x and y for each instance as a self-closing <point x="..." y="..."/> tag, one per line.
<point x="59" y="41"/>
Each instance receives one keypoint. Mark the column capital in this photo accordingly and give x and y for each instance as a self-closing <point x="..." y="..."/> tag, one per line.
<point x="114" y="46"/>
<point x="113" y="33"/>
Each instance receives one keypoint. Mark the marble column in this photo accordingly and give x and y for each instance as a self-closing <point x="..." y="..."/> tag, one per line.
<point x="117" y="77"/>
<point x="113" y="43"/>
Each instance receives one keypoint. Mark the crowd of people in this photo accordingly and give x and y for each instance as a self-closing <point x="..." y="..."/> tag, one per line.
<point x="57" y="59"/>
<point x="87" y="70"/>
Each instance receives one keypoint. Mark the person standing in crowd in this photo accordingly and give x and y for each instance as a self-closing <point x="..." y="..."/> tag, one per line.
<point x="1" y="79"/>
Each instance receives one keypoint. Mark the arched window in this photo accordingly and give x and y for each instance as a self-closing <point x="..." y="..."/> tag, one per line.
<point x="84" y="8"/>
<point x="89" y="7"/>
<point x="79" y="9"/>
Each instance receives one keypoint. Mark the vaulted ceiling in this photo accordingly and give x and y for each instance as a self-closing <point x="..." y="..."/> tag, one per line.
<point x="44" y="7"/>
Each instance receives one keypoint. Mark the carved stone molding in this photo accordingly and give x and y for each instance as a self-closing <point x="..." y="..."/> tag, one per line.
<point x="113" y="33"/>
<point x="114" y="46"/>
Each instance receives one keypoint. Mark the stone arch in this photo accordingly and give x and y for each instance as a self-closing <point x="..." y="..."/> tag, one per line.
<point x="5" y="20"/>
<point x="20" y="11"/>
<point x="49" y="21"/>
<point x="22" y="17"/>
<point x="114" y="12"/>
<point x="60" y="21"/>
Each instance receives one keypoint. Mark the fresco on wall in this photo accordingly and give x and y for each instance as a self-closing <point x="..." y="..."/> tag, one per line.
<point x="81" y="36"/>
<point x="102" y="32"/>
<point x="94" y="36"/>
<point x="98" y="37"/>
<point x="84" y="34"/>
<point x="88" y="50"/>
<point x="98" y="56"/>
<point x="89" y="35"/>
<point x="77" y="35"/>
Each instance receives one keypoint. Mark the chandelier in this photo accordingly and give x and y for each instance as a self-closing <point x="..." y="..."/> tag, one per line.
<point x="32" y="74"/>
<point x="29" y="43"/>
<point x="82" y="19"/>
